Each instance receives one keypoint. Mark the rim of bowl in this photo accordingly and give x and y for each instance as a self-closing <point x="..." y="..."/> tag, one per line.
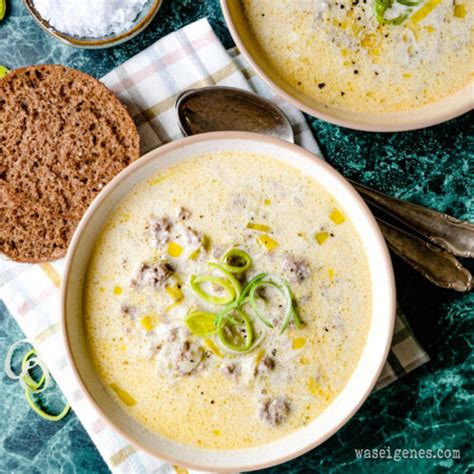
<point x="92" y="43"/>
<point x="433" y="119"/>
<point x="155" y="154"/>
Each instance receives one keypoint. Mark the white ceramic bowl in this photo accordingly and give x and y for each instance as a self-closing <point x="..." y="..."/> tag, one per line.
<point x="436" y="112"/>
<point x="368" y="368"/>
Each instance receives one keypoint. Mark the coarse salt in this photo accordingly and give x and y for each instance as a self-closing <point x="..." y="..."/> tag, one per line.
<point x="90" y="18"/>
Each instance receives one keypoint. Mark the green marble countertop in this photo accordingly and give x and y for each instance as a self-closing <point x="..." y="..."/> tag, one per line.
<point x="430" y="408"/>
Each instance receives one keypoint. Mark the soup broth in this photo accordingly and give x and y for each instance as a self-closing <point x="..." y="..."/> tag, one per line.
<point x="357" y="56"/>
<point x="152" y="321"/>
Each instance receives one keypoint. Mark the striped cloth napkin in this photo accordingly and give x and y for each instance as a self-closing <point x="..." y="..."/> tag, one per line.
<point x="148" y="84"/>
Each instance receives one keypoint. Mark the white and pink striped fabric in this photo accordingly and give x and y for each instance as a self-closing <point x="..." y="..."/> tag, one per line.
<point x="148" y="84"/>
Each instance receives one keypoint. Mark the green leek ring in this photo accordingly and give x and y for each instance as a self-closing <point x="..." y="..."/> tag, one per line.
<point x="195" y="282"/>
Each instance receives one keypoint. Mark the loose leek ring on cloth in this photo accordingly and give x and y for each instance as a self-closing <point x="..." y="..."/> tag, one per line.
<point x="30" y="385"/>
<point x="9" y="357"/>
<point x="26" y="366"/>
<point x="34" y="406"/>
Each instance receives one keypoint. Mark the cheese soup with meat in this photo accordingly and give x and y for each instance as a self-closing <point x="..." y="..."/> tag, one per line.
<point x="370" y="55"/>
<point x="227" y="301"/>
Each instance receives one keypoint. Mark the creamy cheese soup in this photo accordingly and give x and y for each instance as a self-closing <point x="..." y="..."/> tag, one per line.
<point x="227" y="301"/>
<point x="367" y="55"/>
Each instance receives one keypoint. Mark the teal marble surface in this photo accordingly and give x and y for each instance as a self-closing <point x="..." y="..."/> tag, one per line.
<point x="431" y="408"/>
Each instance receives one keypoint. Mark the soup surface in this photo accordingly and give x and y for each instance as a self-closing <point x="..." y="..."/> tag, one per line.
<point x="161" y="271"/>
<point x="371" y="55"/>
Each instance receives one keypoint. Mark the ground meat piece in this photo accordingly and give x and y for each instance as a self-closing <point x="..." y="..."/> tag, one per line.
<point x="184" y="213"/>
<point x="231" y="370"/>
<point x="217" y="252"/>
<point x="188" y="357"/>
<point x="266" y="365"/>
<point x="160" y="231"/>
<point x="193" y="238"/>
<point x="273" y="411"/>
<point x="297" y="268"/>
<point x="173" y="334"/>
<point x="152" y="275"/>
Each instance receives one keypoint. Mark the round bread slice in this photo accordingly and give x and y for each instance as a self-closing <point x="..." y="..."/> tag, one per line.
<point x="27" y="235"/>
<point x="63" y="137"/>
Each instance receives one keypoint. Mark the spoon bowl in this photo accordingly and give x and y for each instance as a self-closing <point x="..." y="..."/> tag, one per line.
<point x="221" y="109"/>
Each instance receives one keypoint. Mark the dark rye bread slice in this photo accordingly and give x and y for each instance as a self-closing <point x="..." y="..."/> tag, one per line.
<point x="27" y="235"/>
<point x="63" y="136"/>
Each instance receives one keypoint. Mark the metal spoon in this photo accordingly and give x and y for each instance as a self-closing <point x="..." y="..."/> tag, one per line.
<point x="216" y="108"/>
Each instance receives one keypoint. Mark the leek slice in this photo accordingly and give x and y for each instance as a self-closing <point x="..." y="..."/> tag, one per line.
<point x="41" y="412"/>
<point x="259" y="227"/>
<point x="253" y="303"/>
<point x="225" y="330"/>
<point x="266" y="242"/>
<point x="425" y="10"/>
<point x="31" y="360"/>
<point x="30" y="382"/>
<point x="235" y="283"/>
<point x="236" y="254"/>
<point x="249" y="286"/>
<point x="201" y="323"/>
<point x="8" y="359"/>
<point x="409" y="3"/>
<point x="380" y="8"/>
<point x="196" y="281"/>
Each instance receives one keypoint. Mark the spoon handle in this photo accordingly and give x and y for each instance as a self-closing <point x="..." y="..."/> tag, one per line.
<point x="453" y="235"/>
<point x="434" y="263"/>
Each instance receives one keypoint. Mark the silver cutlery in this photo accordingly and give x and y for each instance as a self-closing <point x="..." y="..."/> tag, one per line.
<point x="218" y="108"/>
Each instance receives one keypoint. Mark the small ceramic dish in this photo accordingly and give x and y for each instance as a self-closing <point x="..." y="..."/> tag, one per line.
<point x="367" y="370"/>
<point x="141" y="22"/>
<point x="434" y="113"/>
